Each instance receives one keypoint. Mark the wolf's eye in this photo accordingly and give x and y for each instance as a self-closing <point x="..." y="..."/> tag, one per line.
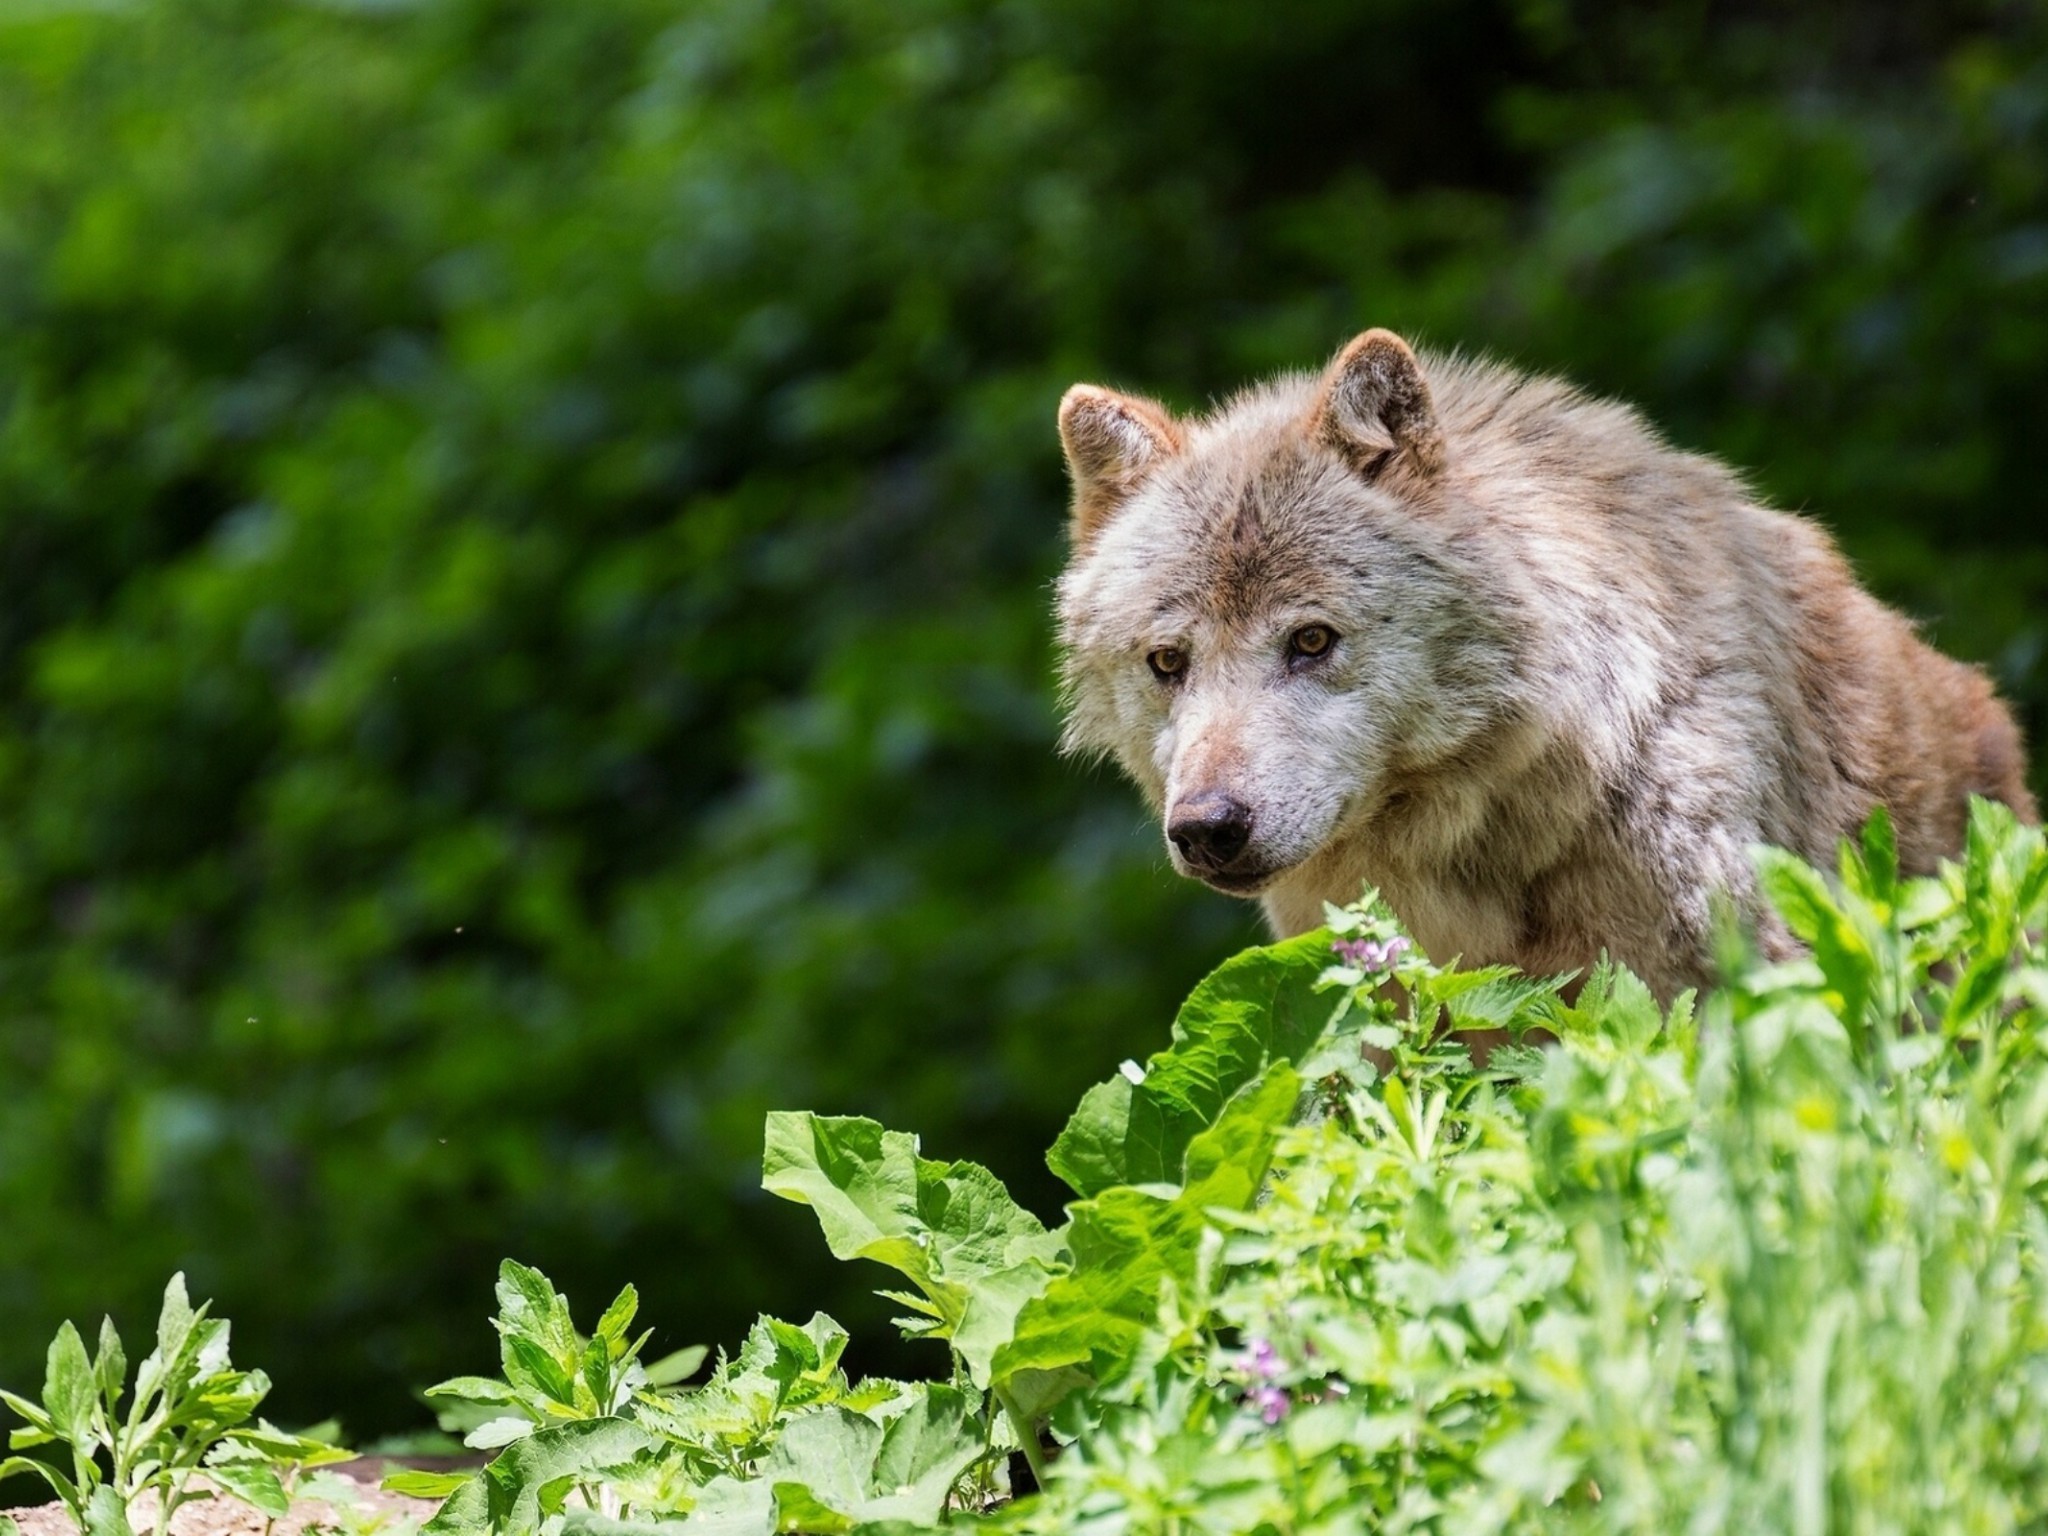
<point x="1310" y="641"/>
<point x="1167" y="663"/>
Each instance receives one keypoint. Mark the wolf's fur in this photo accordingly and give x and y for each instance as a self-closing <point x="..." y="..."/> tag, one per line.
<point x="1577" y="672"/>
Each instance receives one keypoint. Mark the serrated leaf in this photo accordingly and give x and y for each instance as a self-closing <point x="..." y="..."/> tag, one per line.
<point x="925" y="1451"/>
<point x="530" y="1308"/>
<point x="531" y="1477"/>
<point x="1258" y="1007"/>
<point x="466" y="1505"/>
<point x="833" y="1469"/>
<point x="1499" y="1001"/>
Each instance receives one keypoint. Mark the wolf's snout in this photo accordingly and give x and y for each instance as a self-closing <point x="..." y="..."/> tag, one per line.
<point x="1210" y="829"/>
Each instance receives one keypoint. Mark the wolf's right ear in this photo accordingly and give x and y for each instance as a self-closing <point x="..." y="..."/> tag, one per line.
<point x="1375" y="408"/>
<point x="1112" y="442"/>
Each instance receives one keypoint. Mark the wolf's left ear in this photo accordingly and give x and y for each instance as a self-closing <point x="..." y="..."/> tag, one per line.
<point x="1112" y="442"/>
<point x="1376" y="410"/>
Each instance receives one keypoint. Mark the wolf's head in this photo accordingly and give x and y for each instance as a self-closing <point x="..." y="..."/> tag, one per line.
<point x="1270" y="618"/>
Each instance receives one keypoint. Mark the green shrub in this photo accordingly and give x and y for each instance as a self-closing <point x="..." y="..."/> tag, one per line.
<point x="524" y="534"/>
<point x="1771" y="1262"/>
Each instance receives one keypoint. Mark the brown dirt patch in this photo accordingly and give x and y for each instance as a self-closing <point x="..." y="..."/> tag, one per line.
<point x="223" y="1515"/>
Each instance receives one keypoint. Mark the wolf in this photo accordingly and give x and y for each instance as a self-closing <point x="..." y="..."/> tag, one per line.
<point x="1491" y="645"/>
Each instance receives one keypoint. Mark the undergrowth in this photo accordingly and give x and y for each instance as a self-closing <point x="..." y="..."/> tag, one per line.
<point x="1774" y="1261"/>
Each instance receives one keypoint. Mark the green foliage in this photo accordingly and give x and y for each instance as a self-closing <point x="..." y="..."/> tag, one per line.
<point x="190" y="1417"/>
<point x="1777" y="1263"/>
<point x="776" y="1433"/>
<point x="524" y="533"/>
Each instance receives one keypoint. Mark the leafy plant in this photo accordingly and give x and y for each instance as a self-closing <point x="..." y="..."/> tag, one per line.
<point x="1778" y="1260"/>
<point x="192" y="1417"/>
<point x="777" y="1426"/>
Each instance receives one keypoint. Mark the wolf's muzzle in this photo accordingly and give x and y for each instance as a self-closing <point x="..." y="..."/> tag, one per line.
<point x="1210" y="830"/>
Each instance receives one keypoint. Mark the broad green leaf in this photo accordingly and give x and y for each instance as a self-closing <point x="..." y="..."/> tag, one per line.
<point x="426" y="1485"/>
<point x="529" y="1365"/>
<point x="492" y="1434"/>
<point x="1811" y="911"/>
<point x="309" y="1450"/>
<point x="106" y="1514"/>
<point x="833" y="1469"/>
<point x="801" y="1513"/>
<point x="677" y="1367"/>
<point x="174" y="1328"/>
<point x="61" y="1485"/>
<point x="924" y="1452"/>
<point x="796" y="1354"/>
<point x="70" y="1389"/>
<point x="1127" y="1241"/>
<point x="1880" y="864"/>
<point x="828" y="1454"/>
<point x="467" y="1507"/>
<point x="530" y="1309"/>
<point x="1256" y="1008"/>
<point x="585" y="1522"/>
<point x="618" y="1317"/>
<point x="254" y="1483"/>
<point x="531" y="1477"/>
<point x="950" y="1227"/>
<point x="474" y="1389"/>
<point x="728" y="1507"/>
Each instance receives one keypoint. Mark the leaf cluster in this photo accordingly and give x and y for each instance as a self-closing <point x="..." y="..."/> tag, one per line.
<point x="1777" y="1257"/>
<point x="189" y="1429"/>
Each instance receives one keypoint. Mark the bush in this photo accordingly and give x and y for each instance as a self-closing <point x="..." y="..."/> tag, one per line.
<point x="523" y="537"/>
<point x="1773" y="1262"/>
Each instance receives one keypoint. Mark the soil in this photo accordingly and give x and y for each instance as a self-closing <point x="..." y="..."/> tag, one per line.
<point x="226" y="1516"/>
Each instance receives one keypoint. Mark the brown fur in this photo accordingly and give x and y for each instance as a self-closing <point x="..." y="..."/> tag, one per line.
<point x="1579" y="672"/>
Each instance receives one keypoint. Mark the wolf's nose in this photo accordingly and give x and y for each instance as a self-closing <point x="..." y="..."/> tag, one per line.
<point x="1210" y="829"/>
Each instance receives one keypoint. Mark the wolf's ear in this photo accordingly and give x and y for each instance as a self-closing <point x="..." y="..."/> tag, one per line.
<point x="1112" y="442"/>
<point x="1375" y="409"/>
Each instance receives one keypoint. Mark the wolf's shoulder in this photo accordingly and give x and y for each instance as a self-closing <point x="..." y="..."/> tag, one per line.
<point x="1515" y="427"/>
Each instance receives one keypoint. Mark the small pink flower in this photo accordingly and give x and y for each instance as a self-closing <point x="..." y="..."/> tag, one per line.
<point x="1264" y="1359"/>
<point x="1272" y="1402"/>
<point x="1372" y="954"/>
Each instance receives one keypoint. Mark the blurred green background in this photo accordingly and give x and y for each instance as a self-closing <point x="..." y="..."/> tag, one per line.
<point x="525" y="534"/>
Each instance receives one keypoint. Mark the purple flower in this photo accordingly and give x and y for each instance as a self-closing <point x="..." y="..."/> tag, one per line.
<point x="1264" y="1359"/>
<point x="1271" y="1401"/>
<point x="1371" y="954"/>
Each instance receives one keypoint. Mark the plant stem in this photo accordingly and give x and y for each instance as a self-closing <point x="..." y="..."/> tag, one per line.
<point x="1027" y="1437"/>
